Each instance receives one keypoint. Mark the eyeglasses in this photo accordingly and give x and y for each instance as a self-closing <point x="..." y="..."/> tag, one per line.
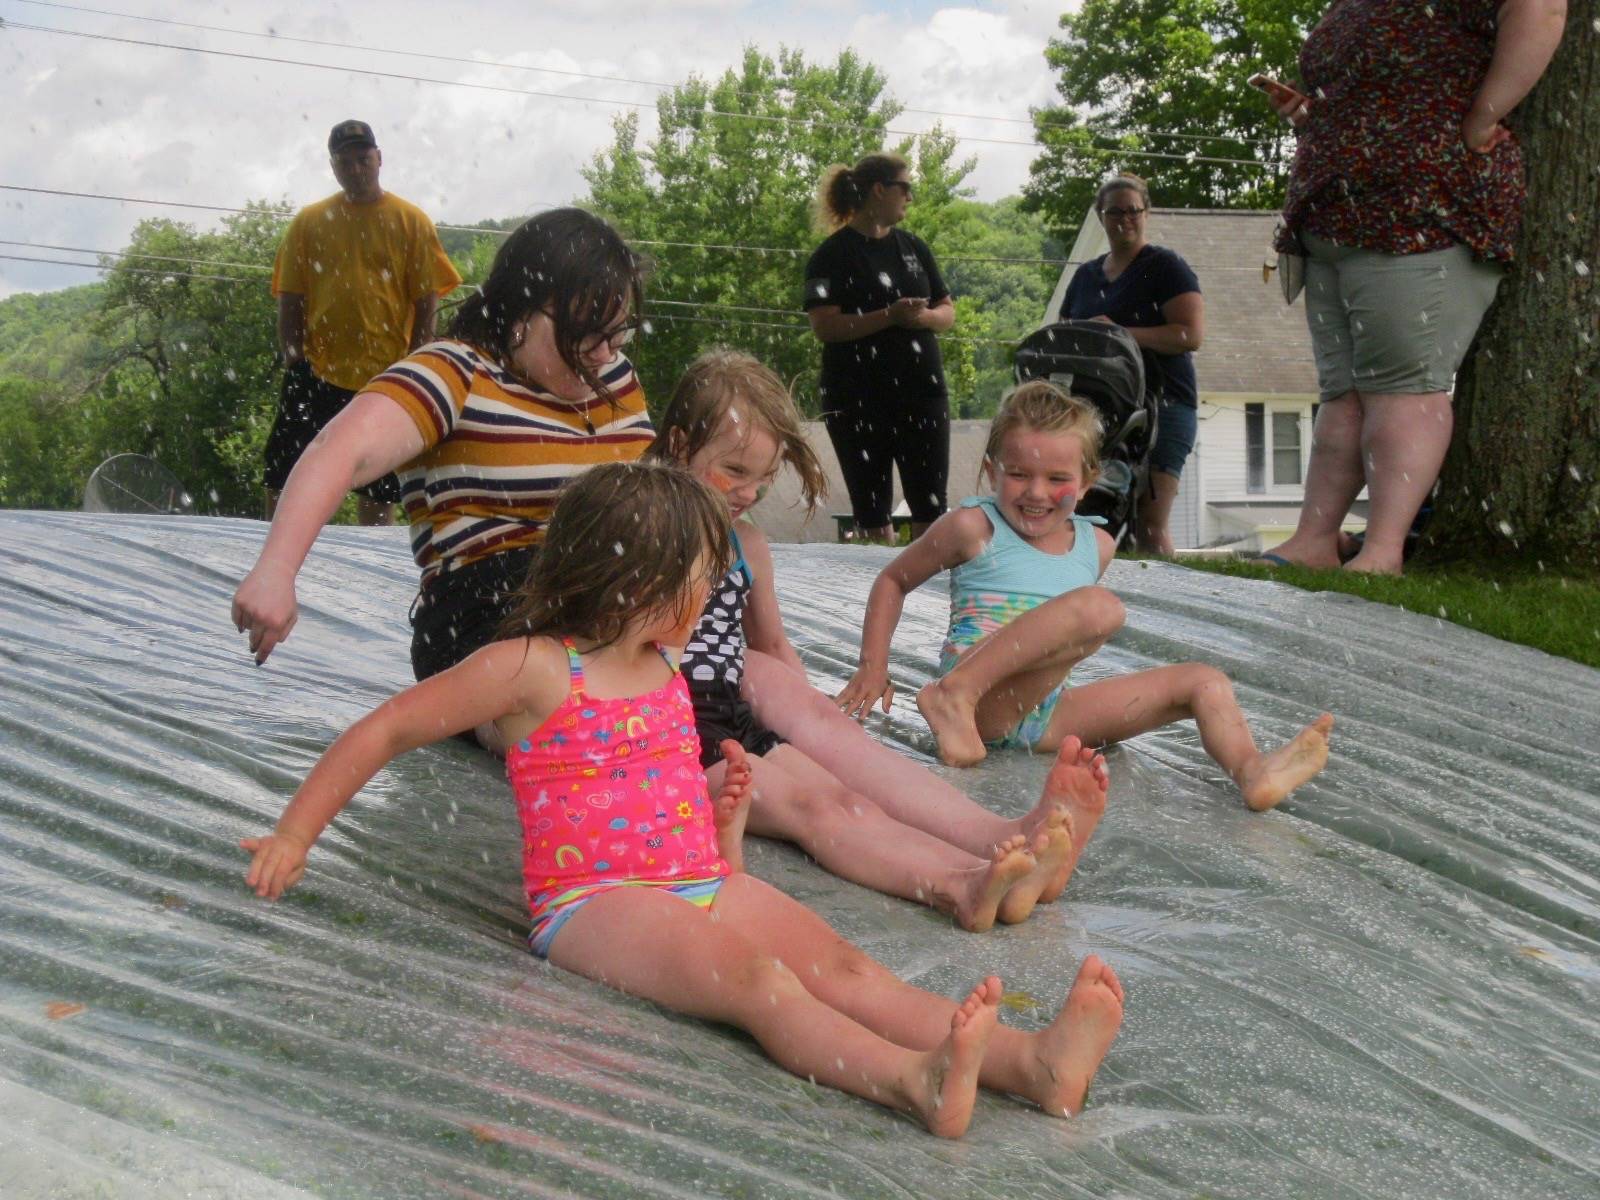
<point x="903" y="184"/>
<point x="615" y="340"/>
<point x="1116" y="214"/>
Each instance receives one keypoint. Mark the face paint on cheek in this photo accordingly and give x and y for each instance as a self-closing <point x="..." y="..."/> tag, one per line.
<point x="719" y="481"/>
<point x="1065" y="497"/>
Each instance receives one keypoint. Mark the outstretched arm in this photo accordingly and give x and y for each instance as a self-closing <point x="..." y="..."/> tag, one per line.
<point x="953" y="539"/>
<point x="370" y="438"/>
<point x="501" y="678"/>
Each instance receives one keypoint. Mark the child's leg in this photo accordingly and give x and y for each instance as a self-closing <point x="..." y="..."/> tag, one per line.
<point x="1052" y="1067"/>
<point x="1000" y="679"/>
<point x="647" y="942"/>
<point x="785" y="703"/>
<point x="796" y="800"/>
<point x="1110" y="710"/>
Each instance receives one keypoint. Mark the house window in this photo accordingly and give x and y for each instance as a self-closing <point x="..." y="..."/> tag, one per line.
<point x="1286" y="447"/>
<point x="1255" y="447"/>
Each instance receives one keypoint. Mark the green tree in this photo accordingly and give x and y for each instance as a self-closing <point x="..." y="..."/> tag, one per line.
<point x="735" y="164"/>
<point x="188" y="374"/>
<point x="36" y="432"/>
<point x="1157" y="87"/>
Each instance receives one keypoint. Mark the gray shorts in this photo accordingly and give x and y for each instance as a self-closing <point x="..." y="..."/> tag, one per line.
<point x="1387" y="324"/>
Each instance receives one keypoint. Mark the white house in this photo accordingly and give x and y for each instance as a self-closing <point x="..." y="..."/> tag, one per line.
<point x="1244" y="483"/>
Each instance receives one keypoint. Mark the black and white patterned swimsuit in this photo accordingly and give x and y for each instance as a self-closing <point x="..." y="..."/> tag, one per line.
<point x="713" y="665"/>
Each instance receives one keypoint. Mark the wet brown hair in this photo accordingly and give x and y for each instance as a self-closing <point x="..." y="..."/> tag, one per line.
<point x="1040" y="406"/>
<point x="843" y="190"/>
<point x="1119" y="183"/>
<point x="567" y="262"/>
<point x="623" y="542"/>
<point x="714" y="383"/>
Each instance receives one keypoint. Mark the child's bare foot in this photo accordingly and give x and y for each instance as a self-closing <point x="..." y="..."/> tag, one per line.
<point x="945" y="1089"/>
<point x="731" y="808"/>
<point x="1053" y="853"/>
<point x="1077" y="781"/>
<point x="1068" y="1053"/>
<point x="954" y="724"/>
<point x="982" y="889"/>
<point x="1271" y="777"/>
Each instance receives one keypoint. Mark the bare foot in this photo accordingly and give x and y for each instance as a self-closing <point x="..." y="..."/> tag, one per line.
<point x="981" y="890"/>
<point x="1052" y="851"/>
<point x="1271" y="777"/>
<point x="945" y="1088"/>
<point x="1376" y="564"/>
<point x="731" y="808"/>
<point x="1078" y="781"/>
<point x="954" y="724"/>
<point x="1068" y="1053"/>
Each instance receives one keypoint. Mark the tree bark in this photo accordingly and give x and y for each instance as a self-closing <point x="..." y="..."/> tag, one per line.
<point x="1523" y="473"/>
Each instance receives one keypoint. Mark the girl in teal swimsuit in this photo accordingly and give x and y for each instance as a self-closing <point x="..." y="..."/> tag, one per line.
<point x="1027" y="606"/>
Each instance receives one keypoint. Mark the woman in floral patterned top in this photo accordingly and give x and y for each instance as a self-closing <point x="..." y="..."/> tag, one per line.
<point x="1406" y="196"/>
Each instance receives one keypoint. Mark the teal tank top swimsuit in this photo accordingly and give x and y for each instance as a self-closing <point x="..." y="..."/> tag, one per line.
<point x="1007" y="579"/>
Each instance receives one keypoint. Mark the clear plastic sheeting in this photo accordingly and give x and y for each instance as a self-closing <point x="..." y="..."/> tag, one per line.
<point x="1388" y="987"/>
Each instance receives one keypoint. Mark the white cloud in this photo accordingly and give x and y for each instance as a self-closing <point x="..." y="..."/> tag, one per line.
<point x="166" y="124"/>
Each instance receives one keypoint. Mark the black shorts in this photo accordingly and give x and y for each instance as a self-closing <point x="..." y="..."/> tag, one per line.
<point x="720" y="712"/>
<point x="305" y="406"/>
<point x="462" y="611"/>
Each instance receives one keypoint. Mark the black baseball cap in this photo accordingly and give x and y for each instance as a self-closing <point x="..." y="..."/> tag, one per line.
<point x="348" y="134"/>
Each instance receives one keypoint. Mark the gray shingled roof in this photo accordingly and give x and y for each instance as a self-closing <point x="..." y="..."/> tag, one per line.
<point x="1254" y="342"/>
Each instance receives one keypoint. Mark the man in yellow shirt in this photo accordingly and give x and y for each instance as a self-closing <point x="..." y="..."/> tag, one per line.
<point x="358" y="280"/>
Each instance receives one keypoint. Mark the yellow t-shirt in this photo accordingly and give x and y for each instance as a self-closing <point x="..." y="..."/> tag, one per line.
<point x="361" y="269"/>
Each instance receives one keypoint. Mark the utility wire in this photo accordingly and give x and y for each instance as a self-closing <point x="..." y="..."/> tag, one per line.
<point x="507" y="66"/>
<point x="62" y="262"/>
<point x="481" y="229"/>
<point x="199" y="262"/>
<point x="490" y="87"/>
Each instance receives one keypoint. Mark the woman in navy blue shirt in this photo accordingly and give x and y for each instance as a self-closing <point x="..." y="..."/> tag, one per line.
<point x="1153" y="294"/>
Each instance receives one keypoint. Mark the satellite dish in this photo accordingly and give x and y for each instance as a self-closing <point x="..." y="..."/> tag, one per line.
<point x="135" y="483"/>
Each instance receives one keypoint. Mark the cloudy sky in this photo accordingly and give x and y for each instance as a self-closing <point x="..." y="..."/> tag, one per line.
<point x="157" y="122"/>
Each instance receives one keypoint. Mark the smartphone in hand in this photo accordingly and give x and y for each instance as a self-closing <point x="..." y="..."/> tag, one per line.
<point x="1281" y="94"/>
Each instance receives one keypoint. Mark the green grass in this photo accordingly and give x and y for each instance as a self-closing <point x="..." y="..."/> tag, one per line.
<point x="1517" y="603"/>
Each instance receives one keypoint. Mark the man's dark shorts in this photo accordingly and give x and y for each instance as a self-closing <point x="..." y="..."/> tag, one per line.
<point x="305" y="406"/>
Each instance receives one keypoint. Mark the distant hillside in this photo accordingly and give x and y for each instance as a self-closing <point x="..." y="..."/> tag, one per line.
<point x="46" y="337"/>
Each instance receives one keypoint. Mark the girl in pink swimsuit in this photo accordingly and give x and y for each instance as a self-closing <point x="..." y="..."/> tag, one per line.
<point x="632" y="873"/>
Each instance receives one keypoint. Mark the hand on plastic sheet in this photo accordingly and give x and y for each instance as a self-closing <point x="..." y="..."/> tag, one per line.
<point x="868" y="686"/>
<point x="266" y="609"/>
<point x="276" y="865"/>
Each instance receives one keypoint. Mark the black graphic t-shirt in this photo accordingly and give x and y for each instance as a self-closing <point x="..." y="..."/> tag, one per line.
<point x="861" y="275"/>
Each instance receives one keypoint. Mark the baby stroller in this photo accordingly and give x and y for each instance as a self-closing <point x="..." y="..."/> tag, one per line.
<point x="1103" y="364"/>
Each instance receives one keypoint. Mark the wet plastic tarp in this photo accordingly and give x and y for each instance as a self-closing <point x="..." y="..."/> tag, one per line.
<point x="1388" y="987"/>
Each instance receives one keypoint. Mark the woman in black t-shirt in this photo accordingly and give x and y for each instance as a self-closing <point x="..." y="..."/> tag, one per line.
<point x="875" y="299"/>
<point x="1153" y="294"/>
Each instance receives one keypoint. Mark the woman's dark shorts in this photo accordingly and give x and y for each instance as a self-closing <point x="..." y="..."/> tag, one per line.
<point x="461" y="611"/>
<point x="305" y="406"/>
<point x="720" y="712"/>
<point x="1177" y="427"/>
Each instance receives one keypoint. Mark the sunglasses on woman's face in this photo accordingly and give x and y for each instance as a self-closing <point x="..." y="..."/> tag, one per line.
<point x="1116" y="214"/>
<point x="903" y="184"/>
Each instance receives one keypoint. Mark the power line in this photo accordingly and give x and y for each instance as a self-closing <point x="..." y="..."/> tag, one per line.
<point x="498" y="88"/>
<point x="743" y="322"/>
<point x="62" y="262"/>
<point x="201" y="262"/>
<point x="506" y="66"/>
<point x="483" y="229"/>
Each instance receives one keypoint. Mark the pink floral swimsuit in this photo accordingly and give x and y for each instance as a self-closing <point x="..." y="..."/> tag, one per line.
<point x="611" y="794"/>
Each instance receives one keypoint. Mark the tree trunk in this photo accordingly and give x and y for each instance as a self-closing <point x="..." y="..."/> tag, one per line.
<point x="1523" y="473"/>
